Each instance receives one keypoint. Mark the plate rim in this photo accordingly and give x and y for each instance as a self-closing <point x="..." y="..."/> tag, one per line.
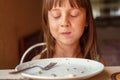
<point x="62" y="78"/>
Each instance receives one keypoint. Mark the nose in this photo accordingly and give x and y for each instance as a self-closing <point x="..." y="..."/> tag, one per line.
<point x="65" y="21"/>
<point x="66" y="25"/>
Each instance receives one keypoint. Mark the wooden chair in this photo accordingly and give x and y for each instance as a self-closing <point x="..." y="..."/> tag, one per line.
<point x="29" y="45"/>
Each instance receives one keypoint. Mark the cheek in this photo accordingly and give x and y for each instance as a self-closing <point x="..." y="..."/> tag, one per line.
<point x="79" y="26"/>
<point x="53" y="28"/>
<point x="80" y="21"/>
<point x="53" y="31"/>
<point x="52" y="22"/>
<point x="79" y="30"/>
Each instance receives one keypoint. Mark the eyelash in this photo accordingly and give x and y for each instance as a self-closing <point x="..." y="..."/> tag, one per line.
<point x="56" y="17"/>
<point x="73" y="15"/>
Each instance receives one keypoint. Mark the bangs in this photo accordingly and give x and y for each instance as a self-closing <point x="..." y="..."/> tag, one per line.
<point x="73" y="3"/>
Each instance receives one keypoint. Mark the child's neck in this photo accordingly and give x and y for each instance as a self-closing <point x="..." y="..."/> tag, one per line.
<point x="68" y="51"/>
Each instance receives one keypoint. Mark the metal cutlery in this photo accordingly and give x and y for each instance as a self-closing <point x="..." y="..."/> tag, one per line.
<point x="47" y="67"/>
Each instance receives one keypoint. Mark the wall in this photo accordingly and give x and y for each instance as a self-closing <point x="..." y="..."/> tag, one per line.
<point x="18" y="18"/>
<point x="109" y="44"/>
<point x="28" y="16"/>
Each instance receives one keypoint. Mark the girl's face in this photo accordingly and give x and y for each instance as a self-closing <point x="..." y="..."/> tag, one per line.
<point x="66" y="23"/>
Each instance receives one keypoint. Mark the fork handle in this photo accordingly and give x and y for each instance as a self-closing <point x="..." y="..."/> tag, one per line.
<point x="22" y="70"/>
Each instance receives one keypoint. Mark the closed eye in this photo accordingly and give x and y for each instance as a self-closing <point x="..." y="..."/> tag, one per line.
<point x="74" y="13"/>
<point x="56" y="16"/>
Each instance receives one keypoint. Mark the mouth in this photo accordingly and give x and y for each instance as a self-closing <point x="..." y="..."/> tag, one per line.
<point x="66" y="33"/>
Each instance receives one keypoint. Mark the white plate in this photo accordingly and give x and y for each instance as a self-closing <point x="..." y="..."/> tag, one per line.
<point x="65" y="69"/>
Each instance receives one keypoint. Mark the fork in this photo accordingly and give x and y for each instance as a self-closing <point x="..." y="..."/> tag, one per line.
<point x="47" y="67"/>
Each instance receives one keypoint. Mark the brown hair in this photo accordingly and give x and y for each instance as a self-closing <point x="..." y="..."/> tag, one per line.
<point x="88" y="39"/>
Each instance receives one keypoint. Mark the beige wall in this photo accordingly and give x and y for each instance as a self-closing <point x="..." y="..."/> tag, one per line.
<point x="18" y="18"/>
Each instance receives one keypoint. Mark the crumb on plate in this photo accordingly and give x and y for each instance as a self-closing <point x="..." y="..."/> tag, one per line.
<point x="39" y="72"/>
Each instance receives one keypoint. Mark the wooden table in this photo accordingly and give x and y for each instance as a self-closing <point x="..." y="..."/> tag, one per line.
<point x="105" y="75"/>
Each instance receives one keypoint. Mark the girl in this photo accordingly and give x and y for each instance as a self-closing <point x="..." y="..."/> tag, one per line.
<point x="69" y="30"/>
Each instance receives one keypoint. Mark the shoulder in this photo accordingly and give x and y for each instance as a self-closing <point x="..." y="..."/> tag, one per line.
<point x="102" y="61"/>
<point x="36" y="57"/>
<point x="40" y="54"/>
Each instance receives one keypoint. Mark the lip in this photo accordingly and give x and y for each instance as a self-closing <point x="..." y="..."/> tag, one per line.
<point x="66" y="33"/>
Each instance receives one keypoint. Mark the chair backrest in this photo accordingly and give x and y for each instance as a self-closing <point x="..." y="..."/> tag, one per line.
<point x="29" y="49"/>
